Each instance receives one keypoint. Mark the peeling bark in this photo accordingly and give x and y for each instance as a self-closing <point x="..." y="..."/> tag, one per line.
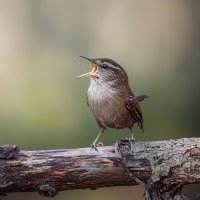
<point x="161" y="167"/>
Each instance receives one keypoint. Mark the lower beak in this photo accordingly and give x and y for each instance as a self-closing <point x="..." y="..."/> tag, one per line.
<point x="94" y="69"/>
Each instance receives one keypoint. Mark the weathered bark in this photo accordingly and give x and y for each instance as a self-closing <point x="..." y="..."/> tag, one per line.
<point x="161" y="167"/>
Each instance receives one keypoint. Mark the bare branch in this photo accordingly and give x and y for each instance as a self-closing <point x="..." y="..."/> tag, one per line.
<point x="161" y="167"/>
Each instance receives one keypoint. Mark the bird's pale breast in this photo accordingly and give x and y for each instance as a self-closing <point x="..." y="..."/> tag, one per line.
<point x="107" y="106"/>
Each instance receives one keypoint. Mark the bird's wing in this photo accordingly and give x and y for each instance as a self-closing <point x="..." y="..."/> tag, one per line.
<point x="133" y="107"/>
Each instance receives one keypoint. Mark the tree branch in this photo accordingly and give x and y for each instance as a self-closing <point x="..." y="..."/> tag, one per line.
<point x="161" y="167"/>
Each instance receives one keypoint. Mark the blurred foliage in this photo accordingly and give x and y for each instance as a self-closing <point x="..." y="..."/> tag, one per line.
<point x="43" y="106"/>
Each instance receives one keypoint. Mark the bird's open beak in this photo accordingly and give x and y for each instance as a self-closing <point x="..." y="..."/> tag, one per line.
<point x="94" y="68"/>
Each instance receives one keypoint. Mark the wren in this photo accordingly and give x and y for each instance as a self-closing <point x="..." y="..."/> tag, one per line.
<point x="110" y="97"/>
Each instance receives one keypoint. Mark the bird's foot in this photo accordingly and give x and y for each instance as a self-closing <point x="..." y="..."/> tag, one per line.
<point x="130" y="140"/>
<point x="100" y="144"/>
<point x="95" y="145"/>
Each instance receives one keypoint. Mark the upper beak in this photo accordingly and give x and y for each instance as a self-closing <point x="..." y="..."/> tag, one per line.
<point x="94" y="68"/>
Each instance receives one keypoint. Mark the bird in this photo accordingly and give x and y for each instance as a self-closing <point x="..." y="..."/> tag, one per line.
<point x="110" y="98"/>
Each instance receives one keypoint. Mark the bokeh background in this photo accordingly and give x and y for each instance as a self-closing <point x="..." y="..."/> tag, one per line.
<point x="43" y="106"/>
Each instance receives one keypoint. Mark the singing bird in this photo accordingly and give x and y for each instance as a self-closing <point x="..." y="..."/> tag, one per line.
<point x="110" y="97"/>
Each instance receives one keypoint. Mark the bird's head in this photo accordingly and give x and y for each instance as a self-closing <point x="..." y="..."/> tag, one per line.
<point x="106" y="70"/>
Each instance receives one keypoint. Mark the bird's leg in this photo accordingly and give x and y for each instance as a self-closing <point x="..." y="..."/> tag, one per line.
<point x="132" y="139"/>
<point x="95" y="143"/>
<point x="132" y="135"/>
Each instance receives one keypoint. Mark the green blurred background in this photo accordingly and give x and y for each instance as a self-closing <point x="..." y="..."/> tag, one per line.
<point x="43" y="106"/>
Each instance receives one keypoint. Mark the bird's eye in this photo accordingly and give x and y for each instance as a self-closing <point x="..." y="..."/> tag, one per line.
<point x="104" y="66"/>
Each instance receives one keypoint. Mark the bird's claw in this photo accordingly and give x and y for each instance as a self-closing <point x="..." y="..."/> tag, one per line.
<point x="130" y="140"/>
<point x="100" y="144"/>
<point x="95" y="145"/>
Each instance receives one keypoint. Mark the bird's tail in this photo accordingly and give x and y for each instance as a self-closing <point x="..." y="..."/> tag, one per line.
<point x="142" y="97"/>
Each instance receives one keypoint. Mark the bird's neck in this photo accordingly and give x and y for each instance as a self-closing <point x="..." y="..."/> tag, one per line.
<point x="114" y="86"/>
